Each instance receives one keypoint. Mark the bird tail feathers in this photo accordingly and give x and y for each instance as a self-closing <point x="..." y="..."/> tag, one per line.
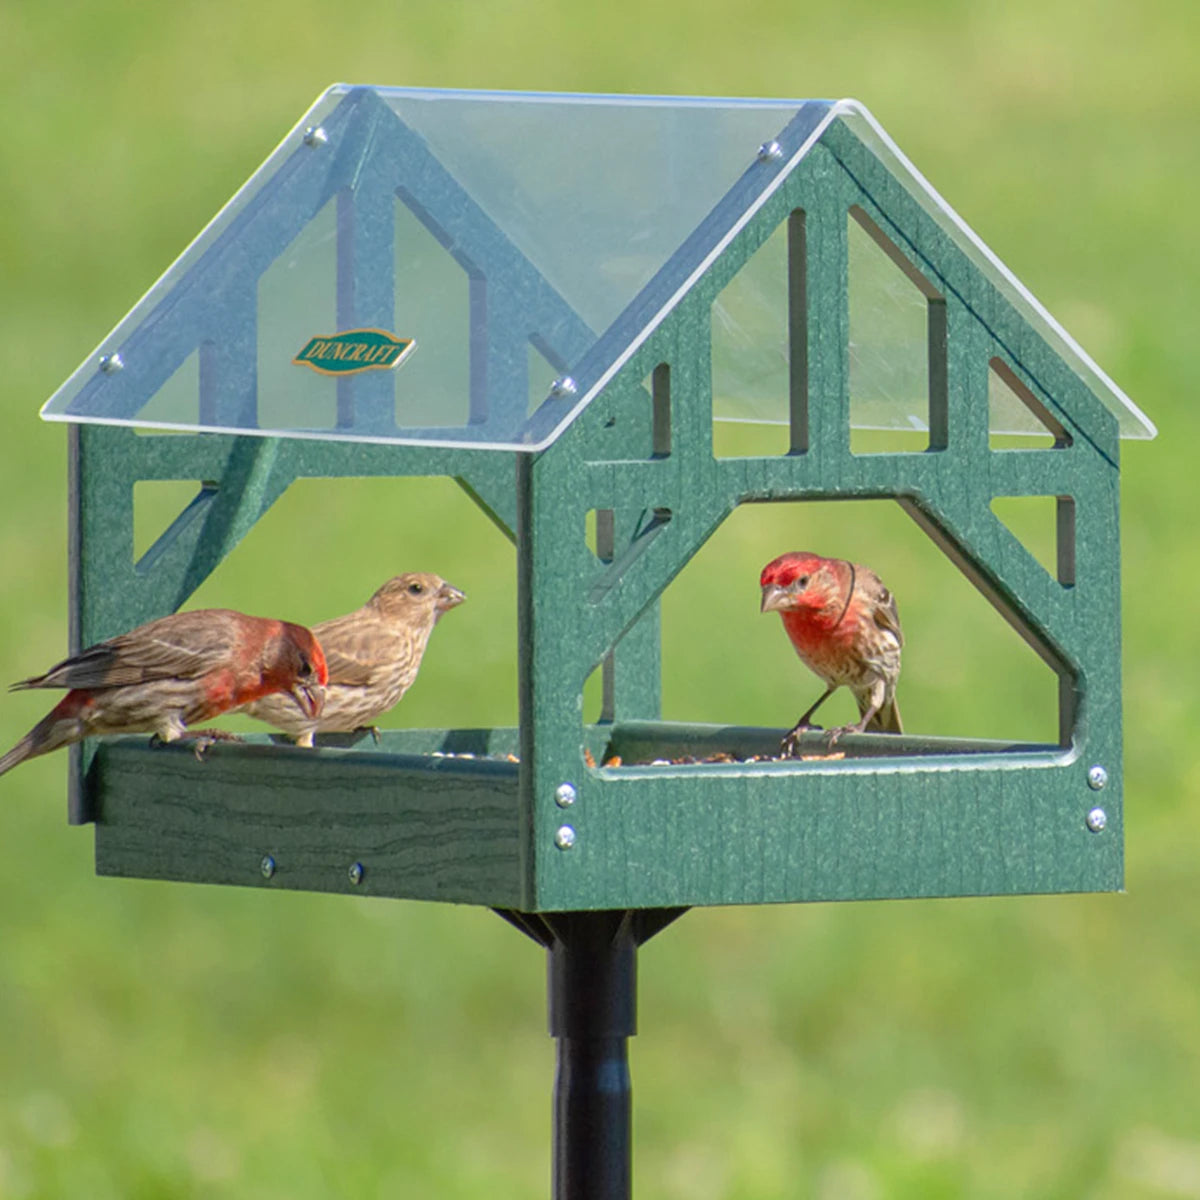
<point x="887" y="719"/>
<point x="52" y="731"/>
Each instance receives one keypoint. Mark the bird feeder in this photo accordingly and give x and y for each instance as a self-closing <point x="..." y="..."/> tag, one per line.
<point x="533" y="294"/>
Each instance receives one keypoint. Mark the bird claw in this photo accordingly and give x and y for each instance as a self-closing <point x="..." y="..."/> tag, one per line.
<point x="790" y="746"/>
<point x="360" y="731"/>
<point x="206" y="738"/>
<point x="835" y="734"/>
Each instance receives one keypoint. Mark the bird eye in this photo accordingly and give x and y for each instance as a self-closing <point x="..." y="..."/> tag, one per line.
<point x="305" y="668"/>
<point x="415" y="589"/>
<point x="802" y="582"/>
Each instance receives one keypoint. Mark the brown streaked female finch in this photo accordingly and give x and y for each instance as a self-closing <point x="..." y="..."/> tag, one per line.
<point x="373" y="653"/>
<point x="844" y="625"/>
<point x="171" y="673"/>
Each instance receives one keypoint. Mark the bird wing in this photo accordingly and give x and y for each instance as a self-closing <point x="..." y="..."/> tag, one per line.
<point x="180" y="646"/>
<point x="359" y="648"/>
<point x="883" y="605"/>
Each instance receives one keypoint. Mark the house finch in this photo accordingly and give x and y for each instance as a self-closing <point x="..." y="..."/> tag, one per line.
<point x="170" y="673"/>
<point x="373" y="653"/>
<point x="844" y="626"/>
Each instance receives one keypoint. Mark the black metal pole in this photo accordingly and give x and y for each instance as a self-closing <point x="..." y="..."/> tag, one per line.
<point x="592" y="986"/>
<point x="592" y="969"/>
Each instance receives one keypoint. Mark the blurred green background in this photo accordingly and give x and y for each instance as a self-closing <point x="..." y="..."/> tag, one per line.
<point x="176" y="1041"/>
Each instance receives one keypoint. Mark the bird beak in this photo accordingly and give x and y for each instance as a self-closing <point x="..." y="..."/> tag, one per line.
<point x="773" y="598"/>
<point x="449" y="597"/>
<point x="310" y="697"/>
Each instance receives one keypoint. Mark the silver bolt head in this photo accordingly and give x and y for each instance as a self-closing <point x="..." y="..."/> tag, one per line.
<point x="355" y="873"/>
<point x="565" y="386"/>
<point x="1097" y="777"/>
<point x="565" y="795"/>
<point x="770" y="151"/>
<point x="267" y="866"/>
<point x="315" y="136"/>
<point x="110" y="364"/>
<point x="564" y="837"/>
<point x="1097" y="819"/>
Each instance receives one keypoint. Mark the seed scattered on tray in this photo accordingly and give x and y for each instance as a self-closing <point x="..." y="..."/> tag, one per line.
<point x="683" y="760"/>
<point x="724" y="756"/>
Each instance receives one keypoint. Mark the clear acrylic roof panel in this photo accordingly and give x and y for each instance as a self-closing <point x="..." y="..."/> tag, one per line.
<point x="428" y="266"/>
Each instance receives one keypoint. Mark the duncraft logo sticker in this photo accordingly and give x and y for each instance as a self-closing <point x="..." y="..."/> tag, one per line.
<point x="355" y="350"/>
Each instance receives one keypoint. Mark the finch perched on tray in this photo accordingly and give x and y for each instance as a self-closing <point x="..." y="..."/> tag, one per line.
<point x="844" y="625"/>
<point x="171" y="673"/>
<point x="373" y="653"/>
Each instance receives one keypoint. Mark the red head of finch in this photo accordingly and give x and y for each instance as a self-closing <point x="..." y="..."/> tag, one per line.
<point x="844" y="625"/>
<point x="374" y="654"/>
<point x="172" y="673"/>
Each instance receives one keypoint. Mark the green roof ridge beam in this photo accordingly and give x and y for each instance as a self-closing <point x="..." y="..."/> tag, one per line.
<point x="673" y="281"/>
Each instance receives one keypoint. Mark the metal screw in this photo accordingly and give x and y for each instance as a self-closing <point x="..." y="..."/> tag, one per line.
<point x="564" y="837"/>
<point x="110" y="364"/>
<point x="355" y="873"/>
<point x="1097" y="819"/>
<point x="267" y="866"/>
<point x="770" y="151"/>
<point x="565" y="386"/>
<point x="565" y="795"/>
<point x="1097" y="777"/>
<point x="315" y="136"/>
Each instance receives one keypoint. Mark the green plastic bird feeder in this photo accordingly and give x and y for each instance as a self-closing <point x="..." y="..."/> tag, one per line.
<point x="532" y="294"/>
<point x="518" y="291"/>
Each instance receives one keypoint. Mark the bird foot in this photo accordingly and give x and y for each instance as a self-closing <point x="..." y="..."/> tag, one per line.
<point x="790" y="746"/>
<point x="205" y="738"/>
<point x="834" y="734"/>
<point x="373" y="730"/>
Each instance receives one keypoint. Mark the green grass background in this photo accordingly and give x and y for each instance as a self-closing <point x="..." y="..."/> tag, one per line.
<point x="163" y="1041"/>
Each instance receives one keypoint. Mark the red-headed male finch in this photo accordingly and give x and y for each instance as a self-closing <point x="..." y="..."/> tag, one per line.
<point x="373" y="653"/>
<point x="171" y="673"/>
<point x="845" y="627"/>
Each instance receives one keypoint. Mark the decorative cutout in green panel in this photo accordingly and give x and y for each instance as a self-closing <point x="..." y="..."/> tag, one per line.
<point x="966" y="673"/>
<point x="750" y="369"/>
<point x="1033" y="521"/>
<point x="1017" y="419"/>
<point x="432" y="305"/>
<point x="178" y="398"/>
<point x="889" y="342"/>
<point x="296" y="301"/>
<point x="157" y="506"/>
